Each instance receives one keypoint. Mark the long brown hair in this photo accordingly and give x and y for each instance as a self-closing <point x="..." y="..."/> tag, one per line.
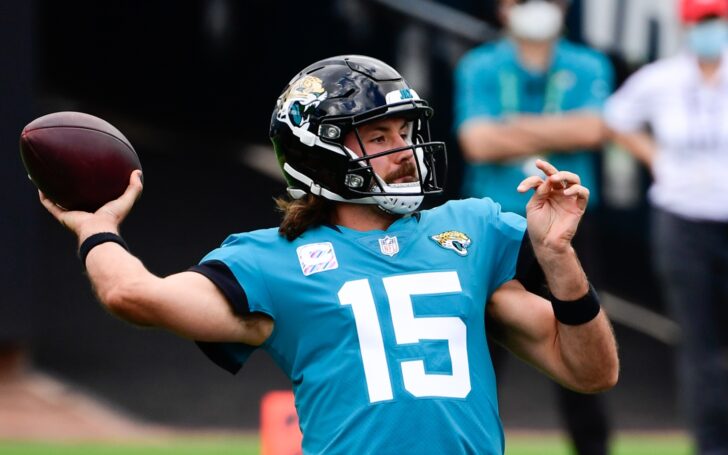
<point x="302" y="214"/>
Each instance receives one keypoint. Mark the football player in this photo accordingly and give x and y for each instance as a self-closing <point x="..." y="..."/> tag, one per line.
<point x="373" y="309"/>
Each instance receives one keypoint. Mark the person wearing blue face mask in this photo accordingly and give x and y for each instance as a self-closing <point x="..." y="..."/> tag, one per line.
<point x="526" y="96"/>
<point x="673" y="116"/>
<point x="706" y="39"/>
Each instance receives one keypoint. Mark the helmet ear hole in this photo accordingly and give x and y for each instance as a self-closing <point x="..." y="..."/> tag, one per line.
<point x="329" y="132"/>
<point x="359" y="179"/>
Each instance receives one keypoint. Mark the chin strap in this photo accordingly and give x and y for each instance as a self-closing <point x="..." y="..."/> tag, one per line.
<point x="316" y="189"/>
<point x="397" y="205"/>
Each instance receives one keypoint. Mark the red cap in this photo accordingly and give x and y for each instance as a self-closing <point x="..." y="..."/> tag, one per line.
<point x="692" y="11"/>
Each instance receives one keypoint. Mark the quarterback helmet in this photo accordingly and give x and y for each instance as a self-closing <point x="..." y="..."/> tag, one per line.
<point x="334" y="97"/>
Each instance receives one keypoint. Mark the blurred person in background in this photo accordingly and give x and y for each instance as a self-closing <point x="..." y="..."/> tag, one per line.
<point x="530" y="95"/>
<point x="372" y="308"/>
<point x="673" y="116"/>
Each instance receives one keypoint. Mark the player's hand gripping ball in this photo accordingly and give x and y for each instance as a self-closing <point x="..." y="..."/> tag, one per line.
<point x="78" y="161"/>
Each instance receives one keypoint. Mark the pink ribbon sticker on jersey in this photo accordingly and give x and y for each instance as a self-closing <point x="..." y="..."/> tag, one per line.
<point x="317" y="257"/>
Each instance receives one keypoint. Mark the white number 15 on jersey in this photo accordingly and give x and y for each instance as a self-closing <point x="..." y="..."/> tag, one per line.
<point x="409" y="329"/>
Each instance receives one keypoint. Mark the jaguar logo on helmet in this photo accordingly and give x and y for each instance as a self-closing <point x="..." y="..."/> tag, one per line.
<point x="305" y="87"/>
<point x="300" y="99"/>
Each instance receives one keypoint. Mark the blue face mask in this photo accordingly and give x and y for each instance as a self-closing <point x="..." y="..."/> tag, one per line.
<point x="708" y="39"/>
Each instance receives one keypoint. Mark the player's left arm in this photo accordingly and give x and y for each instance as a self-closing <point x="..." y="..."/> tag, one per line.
<point x="575" y="345"/>
<point x="580" y="357"/>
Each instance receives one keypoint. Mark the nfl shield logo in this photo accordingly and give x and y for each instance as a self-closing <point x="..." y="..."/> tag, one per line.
<point x="388" y="245"/>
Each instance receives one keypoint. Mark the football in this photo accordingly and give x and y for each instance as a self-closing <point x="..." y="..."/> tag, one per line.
<point x="78" y="161"/>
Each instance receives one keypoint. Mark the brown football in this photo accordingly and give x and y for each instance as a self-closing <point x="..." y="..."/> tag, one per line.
<point x="79" y="161"/>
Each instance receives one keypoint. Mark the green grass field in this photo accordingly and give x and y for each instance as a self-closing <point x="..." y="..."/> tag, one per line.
<point x="624" y="444"/>
<point x="517" y="444"/>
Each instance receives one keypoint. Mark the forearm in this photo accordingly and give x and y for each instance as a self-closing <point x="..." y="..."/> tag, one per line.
<point x="588" y="355"/>
<point x="588" y="351"/>
<point x="564" y="275"/>
<point x="639" y="144"/>
<point x="527" y="135"/>
<point x="580" y="357"/>
<point x="568" y="337"/>
<point x="120" y="281"/>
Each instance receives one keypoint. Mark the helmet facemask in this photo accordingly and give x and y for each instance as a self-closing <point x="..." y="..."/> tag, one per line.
<point x="406" y="196"/>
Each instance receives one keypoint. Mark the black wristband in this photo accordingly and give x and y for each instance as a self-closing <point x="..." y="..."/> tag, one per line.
<point x="96" y="240"/>
<point x="576" y="312"/>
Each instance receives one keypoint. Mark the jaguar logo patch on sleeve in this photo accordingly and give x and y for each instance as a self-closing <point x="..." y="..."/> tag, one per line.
<point x="453" y="240"/>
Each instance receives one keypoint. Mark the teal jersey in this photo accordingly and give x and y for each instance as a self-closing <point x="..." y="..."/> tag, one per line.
<point x="491" y="84"/>
<point x="382" y="332"/>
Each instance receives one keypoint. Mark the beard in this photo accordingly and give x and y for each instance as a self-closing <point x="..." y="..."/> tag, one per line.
<point x="407" y="172"/>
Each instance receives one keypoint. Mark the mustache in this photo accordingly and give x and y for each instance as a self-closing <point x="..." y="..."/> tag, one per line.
<point x="407" y="169"/>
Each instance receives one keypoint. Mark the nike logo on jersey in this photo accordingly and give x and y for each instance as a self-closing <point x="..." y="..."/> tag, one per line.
<point x="453" y="240"/>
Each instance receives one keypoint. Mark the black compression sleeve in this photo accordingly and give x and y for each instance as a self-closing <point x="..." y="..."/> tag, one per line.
<point x="529" y="271"/>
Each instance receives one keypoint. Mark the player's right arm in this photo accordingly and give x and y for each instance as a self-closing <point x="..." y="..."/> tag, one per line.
<point x="187" y="303"/>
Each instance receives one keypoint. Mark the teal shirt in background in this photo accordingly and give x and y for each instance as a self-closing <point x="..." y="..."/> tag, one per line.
<point x="491" y="84"/>
<point x="382" y="332"/>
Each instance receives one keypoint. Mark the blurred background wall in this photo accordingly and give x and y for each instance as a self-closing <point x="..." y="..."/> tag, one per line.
<point x="192" y="85"/>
